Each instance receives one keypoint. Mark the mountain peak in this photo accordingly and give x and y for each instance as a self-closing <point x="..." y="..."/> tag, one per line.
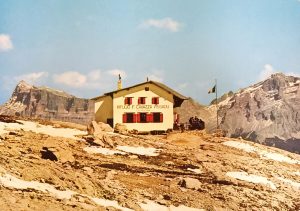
<point x="24" y="85"/>
<point x="279" y="74"/>
<point x="283" y="77"/>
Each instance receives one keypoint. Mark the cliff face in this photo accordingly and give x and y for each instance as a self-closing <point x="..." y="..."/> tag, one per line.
<point x="267" y="112"/>
<point x="46" y="103"/>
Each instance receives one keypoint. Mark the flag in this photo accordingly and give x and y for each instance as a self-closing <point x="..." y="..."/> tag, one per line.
<point x="212" y="90"/>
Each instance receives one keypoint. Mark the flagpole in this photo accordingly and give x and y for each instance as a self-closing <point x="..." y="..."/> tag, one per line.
<point x="217" y="103"/>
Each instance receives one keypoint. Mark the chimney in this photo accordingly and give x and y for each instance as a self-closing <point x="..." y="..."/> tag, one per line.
<point x="120" y="82"/>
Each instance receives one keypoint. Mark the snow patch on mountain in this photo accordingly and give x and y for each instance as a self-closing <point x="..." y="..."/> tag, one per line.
<point x="263" y="153"/>
<point x="251" y="178"/>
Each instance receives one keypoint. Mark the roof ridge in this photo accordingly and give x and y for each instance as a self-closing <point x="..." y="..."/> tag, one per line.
<point x="159" y="84"/>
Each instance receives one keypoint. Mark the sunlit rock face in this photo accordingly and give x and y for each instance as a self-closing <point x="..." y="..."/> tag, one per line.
<point x="47" y="103"/>
<point x="267" y="112"/>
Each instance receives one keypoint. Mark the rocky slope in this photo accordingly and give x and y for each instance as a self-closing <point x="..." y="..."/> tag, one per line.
<point x="190" y="108"/>
<point x="267" y="112"/>
<point x="44" y="166"/>
<point x="47" y="103"/>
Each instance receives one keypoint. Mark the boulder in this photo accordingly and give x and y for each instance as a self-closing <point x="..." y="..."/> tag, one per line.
<point x="54" y="154"/>
<point x="107" y="141"/>
<point x="105" y="127"/>
<point x="190" y="183"/>
<point x="65" y="156"/>
<point x="120" y="128"/>
<point x="2" y="136"/>
<point x="95" y="128"/>
<point x="48" y="154"/>
<point x="98" y="133"/>
<point x="100" y="139"/>
<point x="97" y="141"/>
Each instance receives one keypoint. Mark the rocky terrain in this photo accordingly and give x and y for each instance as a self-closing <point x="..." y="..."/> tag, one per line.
<point x="45" y="165"/>
<point x="267" y="112"/>
<point x="47" y="103"/>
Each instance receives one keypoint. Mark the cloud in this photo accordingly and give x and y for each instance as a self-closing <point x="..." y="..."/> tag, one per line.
<point x="293" y="73"/>
<point x="5" y="42"/>
<point x="165" y="23"/>
<point x="88" y="84"/>
<point x="269" y="70"/>
<point x="71" y="78"/>
<point x="266" y="72"/>
<point x="157" y="75"/>
<point x="183" y="85"/>
<point x="94" y="79"/>
<point x="32" y="78"/>
<point x="116" y="72"/>
<point x="94" y="75"/>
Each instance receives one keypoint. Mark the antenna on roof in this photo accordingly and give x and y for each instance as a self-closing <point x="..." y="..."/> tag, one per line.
<point x="147" y="79"/>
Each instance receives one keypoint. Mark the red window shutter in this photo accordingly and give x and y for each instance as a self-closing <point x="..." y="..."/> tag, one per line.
<point x="139" y="100"/>
<point x="149" y="117"/>
<point x="152" y="100"/>
<point x="161" y="117"/>
<point x="130" y="100"/>
<point x="125" y="101"/>
<point x="134" y="118"/>
<point x="138" y="118"/>
<point x="157" y="100"/>
<point x="124" y="118"/>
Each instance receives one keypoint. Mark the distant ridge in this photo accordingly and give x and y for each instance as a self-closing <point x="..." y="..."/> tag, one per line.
<point x="267" y="112"/>
<point x="47" y="103"/>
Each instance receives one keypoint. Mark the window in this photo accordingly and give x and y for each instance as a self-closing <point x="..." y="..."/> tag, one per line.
<point x="157" y="117"/>
<point x="129" y="118"/>
<point x="155" y="100"/>
<point x="142" y="100"/>
<point x="142" y="117"/>
<point x="128" y="100"/>
<point x="146" y="88"/>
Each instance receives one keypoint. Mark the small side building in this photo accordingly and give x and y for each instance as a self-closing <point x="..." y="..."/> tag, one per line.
<point x="145" y="107"/>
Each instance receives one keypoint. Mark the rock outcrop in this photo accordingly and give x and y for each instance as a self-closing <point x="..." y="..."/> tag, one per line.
<point x="267" y="112"/>
<point x="47" y="103"/>
<point x="181" y="171"/>
<point x="191" y="108"/>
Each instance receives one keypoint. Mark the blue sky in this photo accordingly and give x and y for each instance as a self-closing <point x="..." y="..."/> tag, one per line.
<point x="81" y="46"/>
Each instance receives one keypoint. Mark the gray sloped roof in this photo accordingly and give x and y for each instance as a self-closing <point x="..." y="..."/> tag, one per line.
<point x="161" y="85"/>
